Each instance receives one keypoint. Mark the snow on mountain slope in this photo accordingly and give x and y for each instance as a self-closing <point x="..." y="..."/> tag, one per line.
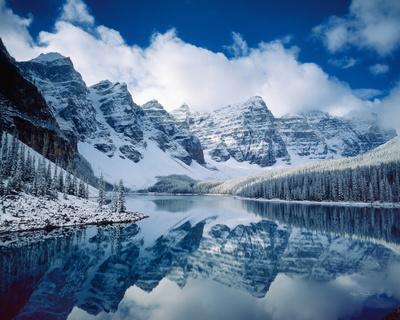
<point x="155" y="162"/>
<point x="388" y="152"/>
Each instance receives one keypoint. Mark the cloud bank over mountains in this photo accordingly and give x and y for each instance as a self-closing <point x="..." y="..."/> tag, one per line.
<point x="175" y="72"/>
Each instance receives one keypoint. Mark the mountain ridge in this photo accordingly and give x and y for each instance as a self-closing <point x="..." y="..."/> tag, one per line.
<point x="117" y="135"/>
<point x="250" y="132"/>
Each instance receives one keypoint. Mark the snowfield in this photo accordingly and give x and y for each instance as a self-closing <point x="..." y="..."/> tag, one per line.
<point x="23" y="212"/>
<point x="157" y="163"/>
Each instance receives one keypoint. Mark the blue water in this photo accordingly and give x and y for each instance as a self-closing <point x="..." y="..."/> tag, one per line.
<point x="203" y="257"/>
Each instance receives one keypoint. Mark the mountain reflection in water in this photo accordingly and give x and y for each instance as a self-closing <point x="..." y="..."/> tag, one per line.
<point x="209" y="258"/>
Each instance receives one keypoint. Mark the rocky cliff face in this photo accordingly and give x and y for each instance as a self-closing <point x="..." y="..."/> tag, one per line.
<point x="249" y="132"/>
<point x="168" y="127"/>
<point x="64" y="91"/>
<point x="25" y="112"/>
<point x="105" y="115"/>
<point x="245" y="132"/>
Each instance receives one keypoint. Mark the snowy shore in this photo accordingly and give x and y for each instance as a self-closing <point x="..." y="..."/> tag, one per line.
<point x="24" y="212"/>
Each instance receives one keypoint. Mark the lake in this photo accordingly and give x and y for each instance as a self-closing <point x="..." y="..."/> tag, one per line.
<point x="209" y="257"/>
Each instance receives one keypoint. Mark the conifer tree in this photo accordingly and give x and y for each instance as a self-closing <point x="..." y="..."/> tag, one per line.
<point x="52" y="192"/>
<point x="13" y="154"/>
<point x="114" y="199"/>
<point x="87" y="191"/>
<point x="48" y="176"/>
<point x="27" y="175"/>
<point x="41" y="183"/>
<point x="121" y="197"/>
<point x="74" y="186"/>
<point x="34" y="188"/>
<point x="81" y="189"/>
<point x="19" y="169"/>
<point x="5" y="168"/>
<point x="60" y="184"/>
<point x="68" y="184"/>
<point x="102" y="195"/>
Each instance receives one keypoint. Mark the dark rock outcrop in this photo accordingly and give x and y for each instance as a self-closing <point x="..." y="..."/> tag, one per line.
<point x="24" y="112"/>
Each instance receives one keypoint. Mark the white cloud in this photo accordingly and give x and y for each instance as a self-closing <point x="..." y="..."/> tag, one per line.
<point x="371" y="24"/>
<point x="389" y="109"/>
<point x="343" y="63"/>
<point x="174" y="71"/>
<point x="14" y="32"/>
<point x="75" y="11"/>
<point x="367" y="93"/>
<point x="239" y="46"/>
<point x="378" y="69"/>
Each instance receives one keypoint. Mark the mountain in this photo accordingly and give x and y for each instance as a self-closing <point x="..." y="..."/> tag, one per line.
<point x="359" y="171"/>
<point x="114" y="133"/>
<point x="249" y="132"/>
<point x="104" y="125"/>
<point x="318" y="135"/>
<point x="24" y="112"/>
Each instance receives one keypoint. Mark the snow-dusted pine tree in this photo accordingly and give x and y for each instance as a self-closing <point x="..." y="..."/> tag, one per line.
<point x="13" y="155"/>
<point x="114" y="199"/>
<point x="52" y="192"/>
<point x="121" y="197"/>
<point x="41" y="178"/>
<point x="17" y="178"/>
<point x="60" y="183"/>
<point x="81" y="189"/>
<point x="102" y="193"/>
<point x="69" y="184"/>
<point x="74" y="190"/>
<point x="5" y="163"/>
<point x="86" y="191"/>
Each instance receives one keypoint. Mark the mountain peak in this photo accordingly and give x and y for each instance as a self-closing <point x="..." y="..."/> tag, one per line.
<point x="315" y="114"/>
<point x="152" y="104"/>
<point x="255" y="100"/>
<point x="253" y="103"/>
<point x="52" y="57"/>
<point x="184" y="107"/>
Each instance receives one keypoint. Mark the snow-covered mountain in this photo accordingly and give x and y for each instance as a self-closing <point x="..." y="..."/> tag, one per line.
<point x="385" y="154"/>
<point x="249" y="132"/>
<point x="118" y="137"/>
<point x="246" y="132"/>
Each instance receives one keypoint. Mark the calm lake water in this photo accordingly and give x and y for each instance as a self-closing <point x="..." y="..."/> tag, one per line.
<point x="200" y="257"/>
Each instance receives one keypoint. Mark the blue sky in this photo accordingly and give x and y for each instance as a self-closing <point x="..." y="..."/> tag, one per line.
<point x="338" y="56"/>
